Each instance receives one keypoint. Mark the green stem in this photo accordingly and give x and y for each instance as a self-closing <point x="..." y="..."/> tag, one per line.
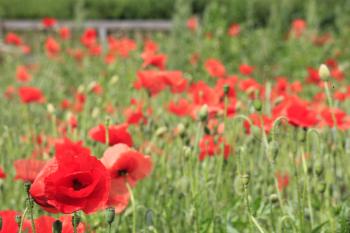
<point x="133" y="208"/>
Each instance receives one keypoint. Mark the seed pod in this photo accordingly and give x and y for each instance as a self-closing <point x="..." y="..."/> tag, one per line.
<point x="110" y="215"/>
<point x="57" y="226"/>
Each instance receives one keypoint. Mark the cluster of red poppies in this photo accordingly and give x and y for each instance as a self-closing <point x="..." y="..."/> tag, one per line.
<point x="75" y="180"/>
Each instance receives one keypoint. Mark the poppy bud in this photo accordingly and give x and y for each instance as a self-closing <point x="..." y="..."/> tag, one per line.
<point x="81" y="89"/>
<point x="50" y="108"/>
<point x="245" y="179"/>
<point x="273" y="198"/>
<point x="206" y="130"/>
<point x="110" y="215"/>
<point x="323" y="72"/>
<point x="226" y="89"/>
<point x="95" y="112"/>
<point x="257" y="105"/>
<point x="274" y="148"/>
<point x="27" y="186"/>
<point x="18" y="219"/>
<point x="161" y="131"/>
<point x="321" y="187"/>
<point x="0" y="223"/>
<point x="114" y="79"/>
<point x="318" y="169"/>
<point x="57" y="226"/>
<point x="149" y="217"/>
<point x="181" y="129"/>
<point x="187" y="150"/>
<point x="108" y="122"/>
<point x="92" y="85"/>
<point x="203" y="113"/>
<point x="76" y="220"/>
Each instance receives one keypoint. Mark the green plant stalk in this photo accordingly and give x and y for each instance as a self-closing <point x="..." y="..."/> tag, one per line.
<point x="133" y="204"/>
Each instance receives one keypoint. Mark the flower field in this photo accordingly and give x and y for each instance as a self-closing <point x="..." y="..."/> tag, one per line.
<point x="208" y="128"/>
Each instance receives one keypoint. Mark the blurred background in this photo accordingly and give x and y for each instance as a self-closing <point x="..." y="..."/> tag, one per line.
<point x="257" y="13"/>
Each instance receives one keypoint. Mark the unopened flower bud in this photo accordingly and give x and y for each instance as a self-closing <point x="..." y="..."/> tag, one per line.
<point x="110" y="215"/>
<point x="27" y="187"/>
<point x="257" y="105"/>
<point x="50" y="108"/>
<point x="149" y="217"/>
<point x="76" y="219"/>
<point x="161" y="131"/>
<point x="18" y="219"/>
<point x="114" y="79"/>
<point x="95" y="112"/>
<point x="57" y="226"/>
<point x="108" y="121"/>
<point x="181" y="129"/>
<point x="203" y="113"/>
<point x="318" y="168"/>
<point x="323" y="72"/>
<point x="245" y="178"/>
<point x="81" y="89"/>
<point x="321" y="187"/>
<point x="273" y="198"/>
<point x="226" y="89"/>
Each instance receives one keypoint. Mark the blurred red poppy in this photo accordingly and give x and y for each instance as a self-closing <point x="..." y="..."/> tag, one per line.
<point x="116" y="134"/>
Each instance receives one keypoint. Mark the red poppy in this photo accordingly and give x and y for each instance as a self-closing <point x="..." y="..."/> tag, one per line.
<point x="22" y="74"/>
<point x="209" y="147"/>
<point x="31" y="95"/>
<point x="121" y="47"/>
<point x="2" y="174"/>
<point x="150" y="80"/>
<point x="180" y="108"/>
<point x="299" y="115"/>
<point x="246" y="69"/>
<point x="152" y="59"/>
<point x="234" y="30"/>
<point x="12" y="38"/>
<point x="43" y="224"/>
<point x="298" y="27"/>
<point x="28" y="169"/>
<point x="48" y="22"/>
<point x="65" y="33"/>
<point x="335" y="118"/>
<point x="9" y="224"/>
<point x="215" y="68"/>
<point x="313" y="76"/>
<point x="192" y="23"/>
<point x="125" y="165"/>
<point x="10" y="92"/>
<point x="116" y="134"/>
<point x="52" y="47"/>
<point x="89" y="37"/>
<point x="73" y="180"/>
<point x="282" y="180"/>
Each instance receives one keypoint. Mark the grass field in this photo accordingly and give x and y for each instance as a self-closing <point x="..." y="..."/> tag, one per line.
<point x="234" y="128"/>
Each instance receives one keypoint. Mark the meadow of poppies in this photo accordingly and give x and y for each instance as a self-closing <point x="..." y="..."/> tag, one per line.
<point x="205" y="129"/>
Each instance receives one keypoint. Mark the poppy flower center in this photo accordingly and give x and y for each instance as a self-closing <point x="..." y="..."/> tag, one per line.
<point x="122" y="172"/>
<point x="77" y="184"/>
